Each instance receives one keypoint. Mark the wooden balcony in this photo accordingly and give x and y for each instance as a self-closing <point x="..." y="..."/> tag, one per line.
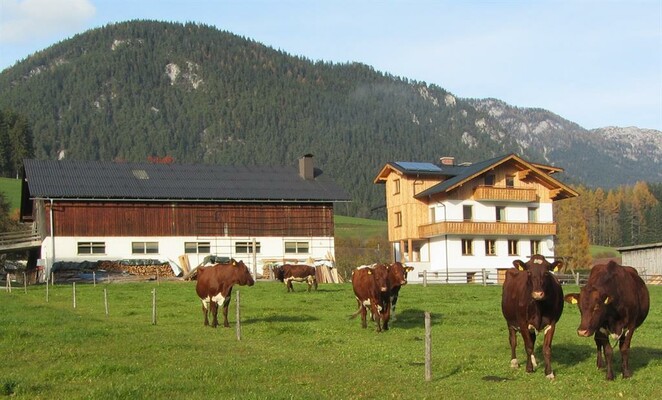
<point x="487" y="228"/>
<point x="492" y="193"/>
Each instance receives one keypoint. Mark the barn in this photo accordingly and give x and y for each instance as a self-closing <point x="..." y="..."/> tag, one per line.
<point x="91" y="211"/>
<point x="646" y="258"/>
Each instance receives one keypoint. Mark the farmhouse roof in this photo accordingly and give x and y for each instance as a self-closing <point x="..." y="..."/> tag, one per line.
<point x="454" y="176"/>
<point x="96" y="180"/>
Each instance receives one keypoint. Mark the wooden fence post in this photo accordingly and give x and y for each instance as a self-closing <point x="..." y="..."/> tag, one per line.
<point x="425" y="278"/>
<point x="154" y="306"/>
<point x="428" y="346"/>
<point x="74" y="286"/>
<point x="238" y="324"/>
<point x="105" y="300"/>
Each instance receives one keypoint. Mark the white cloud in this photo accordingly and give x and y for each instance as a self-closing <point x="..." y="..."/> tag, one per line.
<point x="28" y="20"/>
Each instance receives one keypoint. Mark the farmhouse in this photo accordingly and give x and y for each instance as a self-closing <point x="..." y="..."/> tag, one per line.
<point x="92" y="211"/>
<point x="456" y="220"/>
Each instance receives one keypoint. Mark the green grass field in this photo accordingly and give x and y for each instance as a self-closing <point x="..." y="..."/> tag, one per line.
<point x="11" y="188"/>
<point x="294" y="346"/>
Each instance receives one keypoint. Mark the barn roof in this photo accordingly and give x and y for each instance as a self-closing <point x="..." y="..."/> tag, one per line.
<point x="97" y="180"/>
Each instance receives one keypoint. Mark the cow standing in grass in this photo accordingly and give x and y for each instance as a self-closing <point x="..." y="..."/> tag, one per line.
<point x="614" y="302"/>
<point x="214" y="287"/>
<point x="289" y="273"/>
<point x="397" y="276"/>
<point x="372" y="290"/>
<point x="532" y="302"/>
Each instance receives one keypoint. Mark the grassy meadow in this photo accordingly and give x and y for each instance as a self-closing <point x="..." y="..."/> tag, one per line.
<point x="294" y="346"/>
<point x="11" y="189"/>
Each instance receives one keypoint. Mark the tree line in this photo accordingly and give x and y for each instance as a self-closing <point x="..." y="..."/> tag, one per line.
<point x="618" y="217"/>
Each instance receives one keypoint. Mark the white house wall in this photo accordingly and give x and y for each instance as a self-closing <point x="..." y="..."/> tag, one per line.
<point x="171" y="248"/>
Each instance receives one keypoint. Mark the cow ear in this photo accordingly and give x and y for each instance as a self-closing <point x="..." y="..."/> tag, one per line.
<point x="519" y="265"/>
<point x="556" y="266"/>
<point x="608" y="299"/>
<point x="572" y="298"/>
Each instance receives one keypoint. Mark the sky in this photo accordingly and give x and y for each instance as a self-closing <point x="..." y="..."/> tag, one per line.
<point x="594" y="62"/>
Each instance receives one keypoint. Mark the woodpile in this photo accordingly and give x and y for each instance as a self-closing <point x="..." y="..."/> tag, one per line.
<point x="163" y="270"/>
<point x="326" y="274"/>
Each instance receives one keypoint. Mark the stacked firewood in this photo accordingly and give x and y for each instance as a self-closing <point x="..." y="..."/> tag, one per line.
<point x="162" y="270"/>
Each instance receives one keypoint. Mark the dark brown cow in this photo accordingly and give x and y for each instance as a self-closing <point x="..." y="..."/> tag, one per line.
<point x="614" y="302"/>
<point x="532" y="301"/>
<point x="289" y="273"/>
<point x="397" y="276"/>
<point x="214" y="287"/>
<point x="371" y="288"/>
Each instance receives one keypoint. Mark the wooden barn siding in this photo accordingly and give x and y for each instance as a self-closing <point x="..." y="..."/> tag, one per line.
<point x="181" y="219"/>
<point x="646" y="261"/>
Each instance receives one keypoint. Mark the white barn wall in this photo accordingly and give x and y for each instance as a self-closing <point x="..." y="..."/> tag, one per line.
<point x="171" y="248"/>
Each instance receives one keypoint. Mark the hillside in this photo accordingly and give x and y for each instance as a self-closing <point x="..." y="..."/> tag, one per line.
<point x="200" y="95"/>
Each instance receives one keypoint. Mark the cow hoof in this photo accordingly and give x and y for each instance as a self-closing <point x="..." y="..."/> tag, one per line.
<point x="514" y="363"/>
<point x="550" y="376"/>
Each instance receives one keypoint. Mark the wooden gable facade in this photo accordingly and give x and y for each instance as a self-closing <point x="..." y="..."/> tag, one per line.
<point x="457" y="204"/>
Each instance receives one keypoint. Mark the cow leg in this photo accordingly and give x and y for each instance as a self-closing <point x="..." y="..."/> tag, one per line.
<point x="375" y="313"/>
<point x="213" y="308"/>
<point x="226" y="305"/>
<point x="290" y="287"/>
<point x="205" y="308"/>
<point x="547" y="350"/>
<point x="624" y="344"/>
<point x="599" y="344"/>
<point x="364" y="312"/>
<point x="386" y="315"/>
<point x="512" y="338"/>
<point x="609" y="357"/>
<point x="529" y="343"/>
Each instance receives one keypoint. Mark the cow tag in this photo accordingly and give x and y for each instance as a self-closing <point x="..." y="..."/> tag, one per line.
<point x="608" y="300"/>
<point x="573" y="301"/>
<point x="369" y="272"/>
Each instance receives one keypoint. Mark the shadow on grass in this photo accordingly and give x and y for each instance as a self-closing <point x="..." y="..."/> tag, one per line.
<point x="409" y="318"/>
<point x="573" y="354"/>
<point x="281" y="318"/>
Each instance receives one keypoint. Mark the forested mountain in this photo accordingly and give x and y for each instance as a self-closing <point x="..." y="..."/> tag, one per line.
<point x="143" y="89"/>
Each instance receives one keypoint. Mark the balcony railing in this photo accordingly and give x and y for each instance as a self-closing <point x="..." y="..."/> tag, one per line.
<point x="492" y="193"/>
<point x="486" y="228"/>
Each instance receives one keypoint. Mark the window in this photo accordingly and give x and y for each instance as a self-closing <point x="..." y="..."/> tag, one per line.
<point x="467" y="213"/>
<point x="145" y="247"/>
<point x="512" y="248"/>
<point x="467" y="247"/>
<point x="535" y="247"/>
<point x="510" y="181"/>
<point x="296" y="247"/>
<point x="398" y="219"/>
<point x="197" y="247"/>
<point x="490" y="247"/>
<point x="247" y="247"/>
<point x="533" y="214"/>
<point x="91" y="247"/>
<point x="489" y="180"/>
<point x="396" y="186"/>
<point x="500" y="213"/>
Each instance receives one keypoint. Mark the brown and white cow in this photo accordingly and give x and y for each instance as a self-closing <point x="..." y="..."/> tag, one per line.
<point x="397" y="273"/>
<point x="532" y="302"/>
<point x="214" y="287"/>
<point x="613" y="303"/>
<point x="289" y="273"/>
<point x="372" y="290"/>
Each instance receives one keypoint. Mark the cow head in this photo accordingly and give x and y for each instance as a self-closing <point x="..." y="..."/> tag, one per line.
<point x="398" y="273"/>
<point x="380" y="272"/>
<point x="593" y="305"/>
<point x="539" y="271"/>
<point x="244" y="276"/>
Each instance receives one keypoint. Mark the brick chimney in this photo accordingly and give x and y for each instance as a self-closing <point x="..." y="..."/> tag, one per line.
<point x="306" y="170"/>
<point x="447" y="160"/>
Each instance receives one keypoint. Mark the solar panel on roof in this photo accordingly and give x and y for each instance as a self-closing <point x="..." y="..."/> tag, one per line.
<point x="419" y="166"/>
